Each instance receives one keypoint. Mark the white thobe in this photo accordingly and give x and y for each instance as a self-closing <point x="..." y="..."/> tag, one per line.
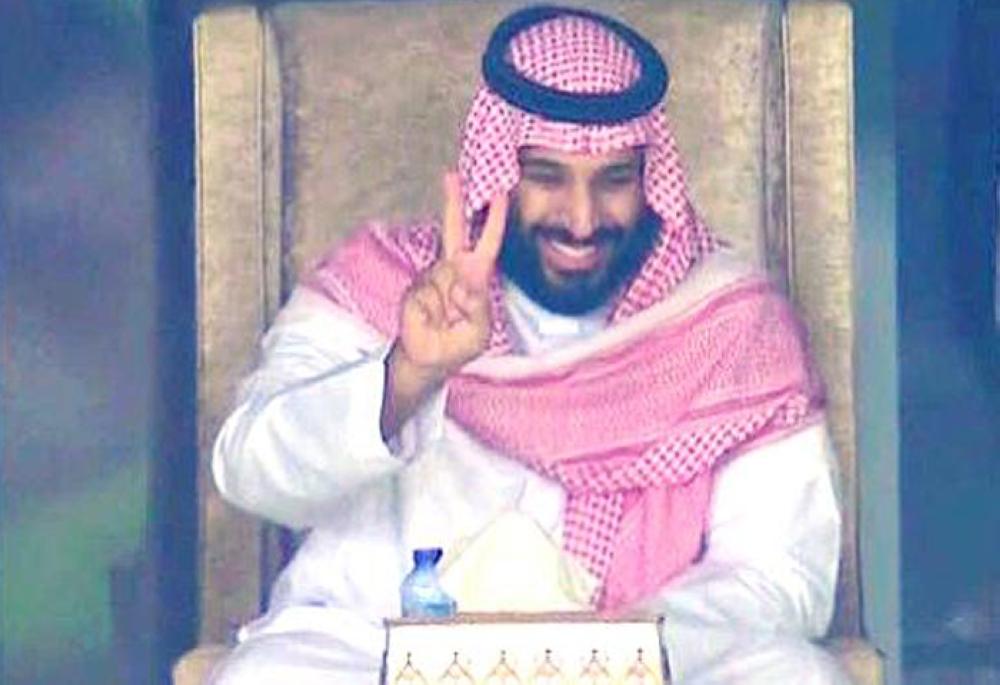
<point x="303" y="448"/>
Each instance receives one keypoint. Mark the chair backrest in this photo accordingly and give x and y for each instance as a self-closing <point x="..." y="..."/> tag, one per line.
<point x="312" y="117"/>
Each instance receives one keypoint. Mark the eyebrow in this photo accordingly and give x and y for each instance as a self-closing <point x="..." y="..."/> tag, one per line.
<point x="541" y="164"/>
<point x="627" y="165"/>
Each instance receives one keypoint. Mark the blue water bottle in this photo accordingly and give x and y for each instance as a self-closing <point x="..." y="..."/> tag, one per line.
<point x="421" y="592"/>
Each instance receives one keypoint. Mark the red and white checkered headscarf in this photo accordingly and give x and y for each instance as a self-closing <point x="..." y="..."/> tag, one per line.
<point x="578" y="55"/>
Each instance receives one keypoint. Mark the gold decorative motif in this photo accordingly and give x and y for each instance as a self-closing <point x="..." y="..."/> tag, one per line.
<point x="456" y="674"/>
<point x="594" y="673"/>
<point x="639" y="673"/>
<point x="548" y="673"/>
<point x="503" y="674"/>
<point x="409" y="675"/>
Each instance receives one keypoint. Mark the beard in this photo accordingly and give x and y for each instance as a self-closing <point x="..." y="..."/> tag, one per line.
<point x="576" y="293"/>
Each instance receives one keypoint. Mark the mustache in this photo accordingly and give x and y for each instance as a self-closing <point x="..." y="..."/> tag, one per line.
<point x="603" y="235"/>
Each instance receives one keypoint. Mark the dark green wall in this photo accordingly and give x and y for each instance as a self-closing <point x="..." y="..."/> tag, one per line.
<point x="97" y="524"/>
<point x="948" y="54"/>
<point x="877" y="352"/>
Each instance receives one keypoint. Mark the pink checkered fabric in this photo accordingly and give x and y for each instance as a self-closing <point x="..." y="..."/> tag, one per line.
<point x="635" y="448"/>
<point x="369" y="274"/>
<point x="633" y="432"/>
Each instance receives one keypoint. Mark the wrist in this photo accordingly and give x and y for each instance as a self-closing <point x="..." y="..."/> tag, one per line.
<point x="410" y="378"/>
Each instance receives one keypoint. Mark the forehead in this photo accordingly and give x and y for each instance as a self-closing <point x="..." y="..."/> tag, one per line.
<point x="579" y="161"/>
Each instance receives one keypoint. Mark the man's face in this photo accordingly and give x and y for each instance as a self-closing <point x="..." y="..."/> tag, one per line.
<point x="578" y="227"/>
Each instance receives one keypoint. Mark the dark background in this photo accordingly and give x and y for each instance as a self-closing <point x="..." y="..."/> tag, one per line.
<point x="96" y="180"/>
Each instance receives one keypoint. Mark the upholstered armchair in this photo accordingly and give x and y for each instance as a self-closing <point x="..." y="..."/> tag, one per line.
<point x="314" y="116"/>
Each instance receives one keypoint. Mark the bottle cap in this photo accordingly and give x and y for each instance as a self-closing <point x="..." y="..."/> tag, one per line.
<point x="431" y="555"/>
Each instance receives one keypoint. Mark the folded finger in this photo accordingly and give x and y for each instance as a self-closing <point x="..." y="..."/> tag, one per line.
<point x="428" y="306"/>
<point x="444" y="277"/>
<point x="472" y="304"/>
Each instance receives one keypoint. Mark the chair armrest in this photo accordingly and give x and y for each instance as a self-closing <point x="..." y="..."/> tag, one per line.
<point x="195" y="666"/>
<point x="859" y="658"/>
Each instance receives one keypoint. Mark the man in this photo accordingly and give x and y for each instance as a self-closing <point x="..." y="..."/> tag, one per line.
<point x="570" y="377"/>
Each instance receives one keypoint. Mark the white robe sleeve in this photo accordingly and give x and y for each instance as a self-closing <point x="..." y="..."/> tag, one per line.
<point x="770" y="563"/>
<point x="305" y="432"/>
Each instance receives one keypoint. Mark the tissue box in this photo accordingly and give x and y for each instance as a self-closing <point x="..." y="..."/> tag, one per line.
<point x="501" y="649"/>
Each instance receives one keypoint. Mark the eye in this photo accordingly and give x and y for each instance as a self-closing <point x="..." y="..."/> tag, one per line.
<point x="619" y="177"/>
<point x="542" y="176"/>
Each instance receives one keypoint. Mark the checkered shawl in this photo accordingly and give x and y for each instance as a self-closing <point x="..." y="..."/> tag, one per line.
<point x="632" y="431"/>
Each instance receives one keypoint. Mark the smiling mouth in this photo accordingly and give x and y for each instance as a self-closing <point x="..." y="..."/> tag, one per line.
<point x="562" y="256"/>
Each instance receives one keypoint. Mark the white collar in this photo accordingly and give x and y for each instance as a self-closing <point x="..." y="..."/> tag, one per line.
<point x="539" y="330"/>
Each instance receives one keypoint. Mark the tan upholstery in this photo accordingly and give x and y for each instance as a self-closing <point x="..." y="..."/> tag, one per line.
<point x="196" y="666"/>
<point x="304" y="130"/>
<point x="859" y="659"/>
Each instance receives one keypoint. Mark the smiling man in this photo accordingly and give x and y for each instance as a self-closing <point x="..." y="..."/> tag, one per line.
<point x="568" y="380"/>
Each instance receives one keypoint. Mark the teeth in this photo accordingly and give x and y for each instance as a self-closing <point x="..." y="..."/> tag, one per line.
<point x="573" y="250"/>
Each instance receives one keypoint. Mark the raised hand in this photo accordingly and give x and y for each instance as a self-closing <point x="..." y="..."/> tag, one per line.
<point x="445" y="317"/>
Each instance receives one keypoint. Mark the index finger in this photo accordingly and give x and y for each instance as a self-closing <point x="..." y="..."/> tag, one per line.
<point x="453" y="230"/>
<point x="488" y="247"/>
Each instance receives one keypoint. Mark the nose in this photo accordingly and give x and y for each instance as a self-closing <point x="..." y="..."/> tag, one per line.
<point x="582" y="212"/>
